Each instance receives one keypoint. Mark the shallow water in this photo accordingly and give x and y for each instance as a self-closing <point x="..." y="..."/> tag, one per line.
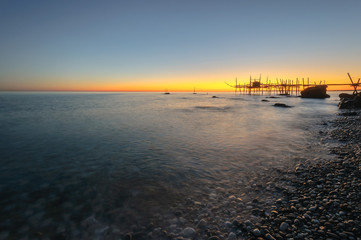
<point x="121" y="157"/>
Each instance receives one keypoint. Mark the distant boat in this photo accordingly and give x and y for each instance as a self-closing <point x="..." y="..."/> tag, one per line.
<point x="166" y="92"/>
<point x="194" y="91"/>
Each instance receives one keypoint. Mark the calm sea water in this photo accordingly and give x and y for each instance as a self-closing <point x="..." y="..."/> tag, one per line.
<point x="122" y="157"/>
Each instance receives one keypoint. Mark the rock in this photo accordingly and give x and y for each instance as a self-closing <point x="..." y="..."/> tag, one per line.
<point x="189" y="232"/>
<point x="346" y="95"/>
<point x="256" y="232"/>
<point x="248" y="223"/>
<point x="202" y="223"/>
<point x="350" y="102"/>
<point x="128" y="236"/>
<point x="313" y="208"/>
<point x="265" y="100"/>
<point x="228" y="224"/>
<point x="348" y="114"/>
<point x="332" y="235"/>
<point x="343" y="235"/>
<point x="315" y="221"/>
<point x="269" y="237"/>
<point x="281" y="105"/>
<point x="90" y="222"/>
<point x="178" y="213"/>
<point x="236" y="223"/>
<point x="284" y="226"/>
<point x="315" y="92"/>
<point x="214" y="238"/>
<point x="232" y="236"/>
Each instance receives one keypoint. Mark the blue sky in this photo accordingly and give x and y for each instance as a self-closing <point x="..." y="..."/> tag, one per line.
<point x="65" y="44"/>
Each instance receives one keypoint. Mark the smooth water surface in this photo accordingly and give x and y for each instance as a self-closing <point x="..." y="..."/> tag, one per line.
<point x="121" y="157"/>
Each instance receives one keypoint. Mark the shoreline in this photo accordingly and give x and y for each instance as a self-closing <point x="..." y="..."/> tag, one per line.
<point x="324" y="199"/>
<point x="315" y="199"/>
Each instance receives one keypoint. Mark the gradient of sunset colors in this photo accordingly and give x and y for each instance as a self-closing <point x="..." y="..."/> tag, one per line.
<point x="176" y="45"/>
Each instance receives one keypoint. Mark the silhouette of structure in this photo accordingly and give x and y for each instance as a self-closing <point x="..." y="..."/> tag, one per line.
<point x="285" y="87"/>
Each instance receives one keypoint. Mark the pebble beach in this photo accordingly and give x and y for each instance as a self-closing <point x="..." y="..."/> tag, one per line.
<point x="324" y="202"/>
<point x="317" y="199"/>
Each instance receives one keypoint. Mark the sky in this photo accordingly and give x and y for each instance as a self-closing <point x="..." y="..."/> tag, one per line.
<point x="177" y="45"/>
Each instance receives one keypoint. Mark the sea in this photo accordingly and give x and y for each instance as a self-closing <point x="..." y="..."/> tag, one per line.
<point x="129" y="160"/>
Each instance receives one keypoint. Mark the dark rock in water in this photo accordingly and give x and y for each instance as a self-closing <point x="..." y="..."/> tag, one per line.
<point x="349" y="101"/>
<point x="214" y="97"/>
<point x="281" y="105"/>
<point x="273" y="97"/>
<point x="315" y="92"/>
<point x="346" y="96"/>
<point x="265" y="100"/>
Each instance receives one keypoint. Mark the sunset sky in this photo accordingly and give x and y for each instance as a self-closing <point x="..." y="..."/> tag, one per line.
<point x="175" y="44"/>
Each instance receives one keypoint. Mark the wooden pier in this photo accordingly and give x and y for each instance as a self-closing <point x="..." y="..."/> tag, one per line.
<point x="285" y="87"/>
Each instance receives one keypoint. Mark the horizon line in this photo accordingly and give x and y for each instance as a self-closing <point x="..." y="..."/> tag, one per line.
<point x="155" y="91"/>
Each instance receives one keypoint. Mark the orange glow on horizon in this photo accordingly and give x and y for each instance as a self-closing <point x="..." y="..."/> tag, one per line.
<point x="176" y="84"/>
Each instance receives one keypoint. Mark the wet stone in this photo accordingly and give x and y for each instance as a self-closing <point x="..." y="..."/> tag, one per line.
<point x="269" y="237"/>
<point x="188" y="232"/>
<point x="256" y="232"/>
<point x="213" y="238"/>
<point x="232" y="236"/>
<point x="228" y="224"/>
<point x="284" y="226"/>
<point x="202" y="223"/>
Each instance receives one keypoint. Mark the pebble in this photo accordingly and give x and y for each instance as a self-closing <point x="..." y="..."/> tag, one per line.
<point x="284" y="226"/>
<point x="214" y="238"/>
<point x="269" y="237"/>
<point x="248" y="223"/>
<point x="188" y="232"/>
<point x="228" y="224"/>
<point x="232" y="236"/>
<point x="202" y="223"/>
<point x="256" y="232"/>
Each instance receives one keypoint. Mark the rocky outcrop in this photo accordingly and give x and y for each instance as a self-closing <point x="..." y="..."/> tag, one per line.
<point x="281" y="105"/>
<point x="349" y="101"/>
<point x="315" y="92"/>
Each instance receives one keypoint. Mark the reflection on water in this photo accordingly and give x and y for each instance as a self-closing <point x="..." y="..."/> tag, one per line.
<point x="123" y="157"/>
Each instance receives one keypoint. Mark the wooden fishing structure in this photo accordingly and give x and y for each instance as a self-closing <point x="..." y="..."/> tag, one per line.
<point x="286" y="87"/>
<point x="355" y="85"/>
